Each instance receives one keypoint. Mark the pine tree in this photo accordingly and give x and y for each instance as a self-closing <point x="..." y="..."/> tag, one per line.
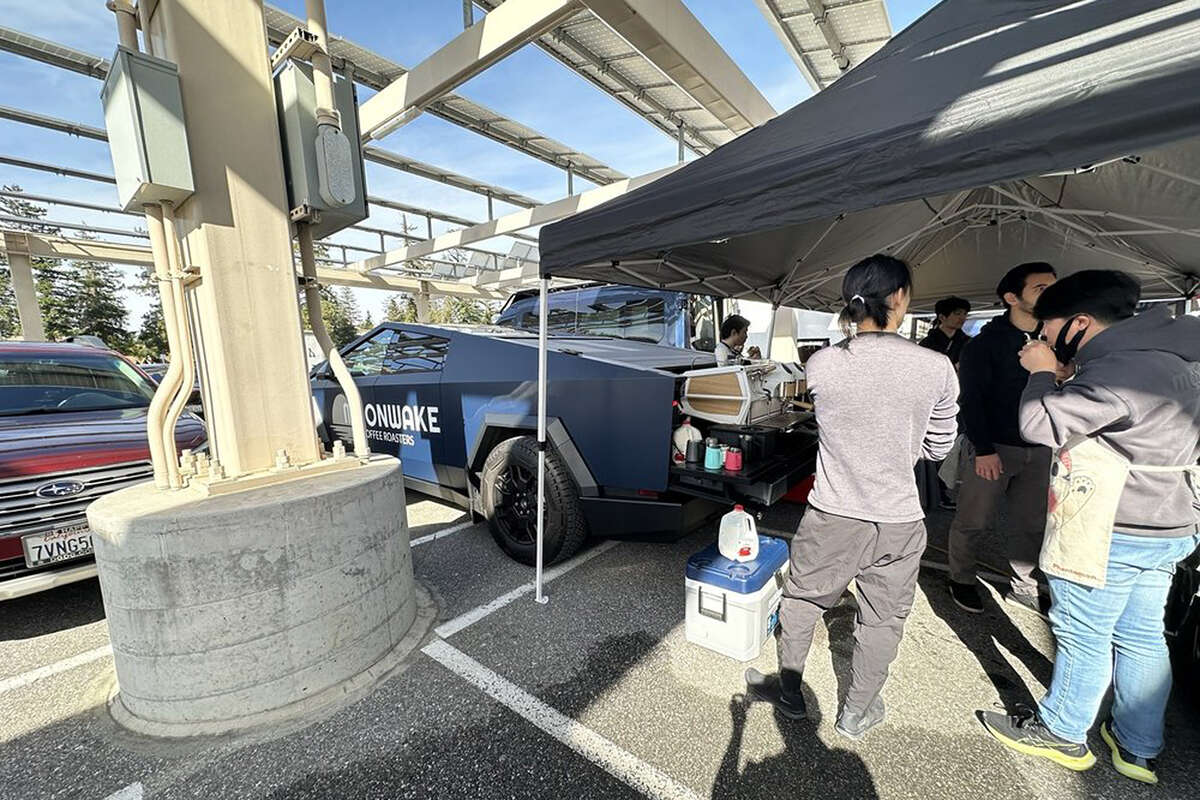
<point x="400" y="310"/>
<point x="53" y="281"/>
<point x="366" y="324"/>
<point x="339" y="316"/>
<point x="150" y="341"/>
<point x="100" y="311"/>
<point x="10" y="321"/>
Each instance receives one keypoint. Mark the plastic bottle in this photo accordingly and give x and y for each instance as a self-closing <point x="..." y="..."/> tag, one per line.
<point x="679" y="440"/>
<point x="738" y="537"/>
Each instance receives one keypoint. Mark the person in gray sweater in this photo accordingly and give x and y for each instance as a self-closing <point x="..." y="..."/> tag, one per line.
<point x="1123" y="513"/>
<point x="881" y="403"/>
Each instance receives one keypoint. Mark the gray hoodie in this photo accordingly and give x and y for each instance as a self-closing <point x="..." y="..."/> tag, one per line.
<point x="1137" y="389"/>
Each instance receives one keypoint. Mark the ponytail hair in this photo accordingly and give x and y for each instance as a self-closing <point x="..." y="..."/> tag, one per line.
<point x="866" y="289"/>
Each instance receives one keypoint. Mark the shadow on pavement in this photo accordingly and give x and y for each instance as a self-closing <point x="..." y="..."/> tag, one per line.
<point x="59" y="609"/>
<point x="984" y="634"/>
<point x="841" y="772"/>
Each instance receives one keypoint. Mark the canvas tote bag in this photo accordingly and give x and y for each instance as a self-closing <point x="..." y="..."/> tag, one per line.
<point x="1086" y="481"/>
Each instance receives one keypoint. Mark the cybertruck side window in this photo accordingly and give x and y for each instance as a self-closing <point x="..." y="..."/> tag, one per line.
<point x="367" y="359"/>
<point x="411" y="352"/>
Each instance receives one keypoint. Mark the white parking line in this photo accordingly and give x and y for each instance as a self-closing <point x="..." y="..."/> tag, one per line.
<point x="442" y="534"/>
<point x="133" y="791"/>
<point x="618" y="762"/>
<point x="34" y="675"/>
<point x="448" y="629"/>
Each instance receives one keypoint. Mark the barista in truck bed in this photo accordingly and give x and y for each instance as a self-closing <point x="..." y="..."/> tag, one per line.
<point x="864" y="521"/>
<point x="734" y="332"/>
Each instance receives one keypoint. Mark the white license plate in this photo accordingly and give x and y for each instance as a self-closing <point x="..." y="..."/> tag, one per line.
<point x="61" y="544"/>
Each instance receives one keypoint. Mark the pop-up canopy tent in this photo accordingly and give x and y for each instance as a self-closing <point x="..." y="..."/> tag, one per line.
<point x="987" y="133"/>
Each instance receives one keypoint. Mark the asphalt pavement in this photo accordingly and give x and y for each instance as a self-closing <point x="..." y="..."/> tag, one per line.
<point x="595" y="694"/>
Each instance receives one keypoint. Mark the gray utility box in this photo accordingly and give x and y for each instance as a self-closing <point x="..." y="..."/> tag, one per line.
<point x="296" y="99"/>
<point x="143" y="113"/>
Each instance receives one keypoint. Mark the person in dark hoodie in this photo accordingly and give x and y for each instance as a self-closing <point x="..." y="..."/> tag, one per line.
<point x="1005" y="466"/>
<point x="1123" y="513"/>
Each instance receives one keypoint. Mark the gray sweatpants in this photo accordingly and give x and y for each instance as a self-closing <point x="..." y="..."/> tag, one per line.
<point x="1026" y="485"/>
<point x="827" y="553"/>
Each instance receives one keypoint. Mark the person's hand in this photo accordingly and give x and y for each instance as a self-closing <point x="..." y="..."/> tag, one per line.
<point x="989" y="467"/>
<point x="753" y="352"/>
<point x="1037" y="356"/>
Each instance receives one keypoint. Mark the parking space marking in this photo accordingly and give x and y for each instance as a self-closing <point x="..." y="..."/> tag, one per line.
<point x="604" y="753"/>
<point x="34" y="675"/>
<point x="133" y="791"/>
<point x="442" y="534"/>
<point x="448" y="629"/>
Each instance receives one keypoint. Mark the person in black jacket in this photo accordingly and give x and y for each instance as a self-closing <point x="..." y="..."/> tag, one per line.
<point x="947" y="335"/>
<point x="1004" y="464"/>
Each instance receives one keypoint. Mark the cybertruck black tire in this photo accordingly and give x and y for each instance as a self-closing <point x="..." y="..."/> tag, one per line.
<point x="508" y="490"/>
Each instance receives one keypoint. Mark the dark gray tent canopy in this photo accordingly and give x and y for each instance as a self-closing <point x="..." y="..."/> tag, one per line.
<point x="987" y="133"/>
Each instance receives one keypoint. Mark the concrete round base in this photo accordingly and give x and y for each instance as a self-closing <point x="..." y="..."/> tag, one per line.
<point x="249" y="608"/>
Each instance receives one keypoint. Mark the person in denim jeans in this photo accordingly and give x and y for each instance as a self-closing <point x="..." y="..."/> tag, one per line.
<point x="1130" y="395"/>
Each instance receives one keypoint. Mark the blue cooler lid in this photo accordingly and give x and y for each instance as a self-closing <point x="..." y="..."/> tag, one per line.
<point x="713" y="569"/>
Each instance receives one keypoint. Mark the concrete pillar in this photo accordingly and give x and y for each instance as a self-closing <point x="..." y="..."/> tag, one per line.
<point x="237" y="234"/>
<point x="21" y="271"/>
<point x="245" y="609"/>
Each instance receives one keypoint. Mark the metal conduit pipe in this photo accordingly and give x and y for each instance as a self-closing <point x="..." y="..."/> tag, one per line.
<point x="312" y="298"/>
<point x="182" y="352"/>
<point x="162" y="453"/>
<point x="164" y="465"/>
<point x="322" y="68"/>
<point x="127" y="21"/>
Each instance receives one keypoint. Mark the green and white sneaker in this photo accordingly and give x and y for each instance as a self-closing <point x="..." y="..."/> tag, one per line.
<point x="1025" y="732"/>
<point x="1131" y="766"/>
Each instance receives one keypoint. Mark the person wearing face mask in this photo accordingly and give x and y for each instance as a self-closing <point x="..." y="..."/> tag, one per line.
<point x="881" y="402"/>
<point x="1124" y="511"/>
<point x="1000" y="466"/>
<point x="734" y="332"/>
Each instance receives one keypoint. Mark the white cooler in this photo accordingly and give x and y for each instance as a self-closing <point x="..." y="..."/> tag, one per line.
<point x="733" y="607"/>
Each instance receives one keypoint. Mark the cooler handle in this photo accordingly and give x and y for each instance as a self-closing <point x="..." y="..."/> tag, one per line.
<point x="710" y="612"/>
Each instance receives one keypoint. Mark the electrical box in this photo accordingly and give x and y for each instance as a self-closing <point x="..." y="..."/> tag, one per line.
<point x="143" y="114"/>
<point x="296" y="100"/>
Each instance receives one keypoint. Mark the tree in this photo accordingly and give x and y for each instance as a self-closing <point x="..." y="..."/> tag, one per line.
<point x="152" y="336"/>
<point x="339" y="316"/>
<point x="10" y="321"/>
<point x="366" y="324"/>
<point x="100" y="311"/>
<point x="403" y="309"/>
<point x="459" y="311"/>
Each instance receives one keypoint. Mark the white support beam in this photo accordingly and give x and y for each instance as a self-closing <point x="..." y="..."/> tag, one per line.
<point x="495" y="36"/>
<point x="63" y="248"/>
<point x="672" y="39"/>
<point x="510" y="223"/>
<point x="20" y="272"/>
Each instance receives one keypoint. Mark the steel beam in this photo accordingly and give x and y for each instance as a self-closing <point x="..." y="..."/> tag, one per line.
<point x="671" y="38"/>
<point x="510" y="223"/>
<point x="62" y="248"/>
<point x="495" y="36"/>
<point x="20" y="272"/>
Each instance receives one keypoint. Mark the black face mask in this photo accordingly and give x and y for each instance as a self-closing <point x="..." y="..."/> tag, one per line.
<point x="1065" y="351"/>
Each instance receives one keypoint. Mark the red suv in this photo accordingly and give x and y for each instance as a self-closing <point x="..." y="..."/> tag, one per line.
<point x="72" y="428"/>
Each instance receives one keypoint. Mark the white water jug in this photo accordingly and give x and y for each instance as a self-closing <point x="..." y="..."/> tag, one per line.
<point x="679" y="440"/>
<point x="738" y="537"/>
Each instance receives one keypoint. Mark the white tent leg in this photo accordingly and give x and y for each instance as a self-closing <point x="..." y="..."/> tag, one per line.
<point x="771" y="330"/>
<point x="543" y="286"/>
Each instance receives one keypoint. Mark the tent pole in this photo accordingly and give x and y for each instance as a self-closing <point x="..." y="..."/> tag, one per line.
<point x="543" y="286"/>
<point x="771" y="329"/>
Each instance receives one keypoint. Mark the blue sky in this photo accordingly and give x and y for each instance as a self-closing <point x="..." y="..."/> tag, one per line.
<point x="529" y="87"/>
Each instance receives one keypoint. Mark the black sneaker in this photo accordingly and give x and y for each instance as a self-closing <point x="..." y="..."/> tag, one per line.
<point x="1126" y="763"/>
<point x="855" y="725"/>
<point x="966" y="596"/>
<point x="1026" y="733"/>
<point x="1037" y="603"/>
<point x="770" y="688"/>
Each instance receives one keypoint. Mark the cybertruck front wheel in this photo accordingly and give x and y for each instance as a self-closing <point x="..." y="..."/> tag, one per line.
<point x="509" y="497"/>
